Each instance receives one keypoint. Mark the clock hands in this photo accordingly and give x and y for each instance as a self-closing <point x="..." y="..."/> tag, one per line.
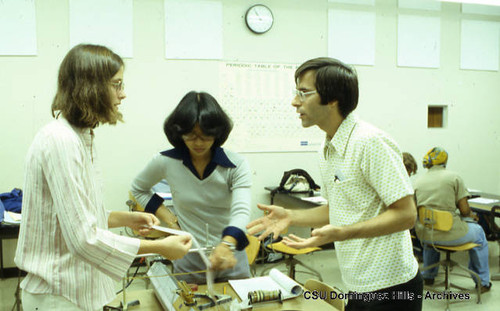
<point x="257" y="13"/>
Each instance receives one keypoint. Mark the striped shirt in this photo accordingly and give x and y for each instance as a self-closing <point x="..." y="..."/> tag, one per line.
<point x="363" y="173"/>
<point x="64" y="244"/>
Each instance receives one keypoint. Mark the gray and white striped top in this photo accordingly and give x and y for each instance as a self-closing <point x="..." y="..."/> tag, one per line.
<point x="64" y="244"/>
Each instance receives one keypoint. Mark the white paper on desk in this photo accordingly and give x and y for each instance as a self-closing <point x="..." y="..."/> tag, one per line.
<point x="318" y="200"/>
<point x="276" y="280"/>
<point x="11" y="218"/>
<point x="473" y="190"/>
<point x="483" y="200"/>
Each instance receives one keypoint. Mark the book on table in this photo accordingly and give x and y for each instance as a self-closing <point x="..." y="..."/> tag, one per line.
<point x="276" y="280"/>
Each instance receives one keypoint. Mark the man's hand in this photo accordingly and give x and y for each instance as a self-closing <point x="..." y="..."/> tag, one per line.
<point x="275" y="221"/>
<point x="320" y="236"/>
<point x="222" y="258"/>
<point x="142" y="222"/>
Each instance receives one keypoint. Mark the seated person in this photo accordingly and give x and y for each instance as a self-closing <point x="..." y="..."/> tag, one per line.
<point x="410" y="163"/>
<point x="444" y="190"/>
<point x="209" y="185"/>
<point x="411" y="169"/>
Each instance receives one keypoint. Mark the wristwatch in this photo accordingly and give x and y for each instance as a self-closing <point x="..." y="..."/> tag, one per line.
<point x="231" y="245"/>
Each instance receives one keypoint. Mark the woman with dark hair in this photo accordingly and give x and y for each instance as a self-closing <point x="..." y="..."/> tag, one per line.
<point x="210" y="187"/>
<point x="72" y="259"/>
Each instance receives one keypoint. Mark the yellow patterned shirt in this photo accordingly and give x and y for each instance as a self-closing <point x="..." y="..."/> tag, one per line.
<point x="363" y="173"/>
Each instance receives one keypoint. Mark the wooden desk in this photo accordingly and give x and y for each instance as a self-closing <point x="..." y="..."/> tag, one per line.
<point x="149" y="302"/>
<point x="484" y="208"/>
<point x="7" y="232"/>
<point x="487" y="210"/>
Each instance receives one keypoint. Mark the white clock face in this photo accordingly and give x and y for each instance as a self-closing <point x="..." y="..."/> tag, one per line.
<point x="259" y="19"/>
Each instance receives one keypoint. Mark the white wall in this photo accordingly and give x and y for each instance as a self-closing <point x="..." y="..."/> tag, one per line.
<point x="394" y="99"/>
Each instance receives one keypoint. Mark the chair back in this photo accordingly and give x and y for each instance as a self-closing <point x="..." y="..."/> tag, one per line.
<point x="494" y="227"/>
<point x="330" y="293"/>
<point x="435" y="219"/>
<point x="285" y="249"/>
<point x="252" y="249"/>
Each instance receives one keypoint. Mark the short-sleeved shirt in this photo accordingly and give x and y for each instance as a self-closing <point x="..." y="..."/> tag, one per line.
<point x="441" y="189"/>
<point x="363" y="173"/>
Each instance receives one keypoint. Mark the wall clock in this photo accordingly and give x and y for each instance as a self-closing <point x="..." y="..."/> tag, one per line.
<point x="259" y="18"/>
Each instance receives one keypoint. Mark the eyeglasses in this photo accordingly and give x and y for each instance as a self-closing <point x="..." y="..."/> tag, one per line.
<point x="302" y="95"/>
<point x="193" y="137"/>
<point x="119" y="86"/>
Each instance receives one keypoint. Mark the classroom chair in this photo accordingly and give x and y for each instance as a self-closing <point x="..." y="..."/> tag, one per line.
<point x="495" y="235"/>
<point x="433" y="219"/>
<point x="252" y="251"/>
<point x="326" y="293"/>
<point x="291" y="262"/>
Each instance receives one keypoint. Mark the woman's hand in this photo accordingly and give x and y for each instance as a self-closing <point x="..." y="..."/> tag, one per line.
<point x="222" y="258"/>
<point x="142" y="222"/>
<point x="275" y="220"/>
<point x="174" y="246"/>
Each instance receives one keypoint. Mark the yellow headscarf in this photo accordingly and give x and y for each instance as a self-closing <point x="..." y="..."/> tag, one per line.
<point x="435" y="156"/>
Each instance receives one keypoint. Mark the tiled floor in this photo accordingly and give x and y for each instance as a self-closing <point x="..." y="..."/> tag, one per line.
<point x="326" y="262"/>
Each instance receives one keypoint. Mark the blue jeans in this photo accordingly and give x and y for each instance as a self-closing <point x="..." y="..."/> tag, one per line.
<point x="478" y="256"/>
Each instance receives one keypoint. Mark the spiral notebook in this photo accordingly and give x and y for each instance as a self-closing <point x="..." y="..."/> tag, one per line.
<point x="276" y="280"/>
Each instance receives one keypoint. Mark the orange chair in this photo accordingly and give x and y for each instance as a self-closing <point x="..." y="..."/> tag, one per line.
<point x="252" y="251"/>
<point x="315" y="285"/>
<point x="434" y="219"/>
<point x="290" y="261"/>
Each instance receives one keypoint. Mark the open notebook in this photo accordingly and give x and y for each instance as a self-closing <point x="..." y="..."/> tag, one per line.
<point x="276" y="280"/>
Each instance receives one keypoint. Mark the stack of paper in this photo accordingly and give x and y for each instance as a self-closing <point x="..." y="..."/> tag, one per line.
<point x="11" y="218"/>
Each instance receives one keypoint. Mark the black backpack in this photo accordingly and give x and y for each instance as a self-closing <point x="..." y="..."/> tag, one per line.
<point x="297" y="180"/>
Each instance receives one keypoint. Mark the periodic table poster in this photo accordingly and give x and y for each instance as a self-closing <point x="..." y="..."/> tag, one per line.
<point x="257" y="97"/>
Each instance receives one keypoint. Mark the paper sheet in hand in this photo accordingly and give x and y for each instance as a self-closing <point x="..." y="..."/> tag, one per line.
<point x="196" y="245"/>
<point x="276" y="280"/>
<point x="171" y="231"/>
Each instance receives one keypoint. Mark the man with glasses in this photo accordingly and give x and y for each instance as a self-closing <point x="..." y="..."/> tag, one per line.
<point x="370" y="207"/>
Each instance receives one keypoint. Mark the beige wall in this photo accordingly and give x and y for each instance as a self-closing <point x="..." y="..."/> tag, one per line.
<point x="394" y="99"/>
